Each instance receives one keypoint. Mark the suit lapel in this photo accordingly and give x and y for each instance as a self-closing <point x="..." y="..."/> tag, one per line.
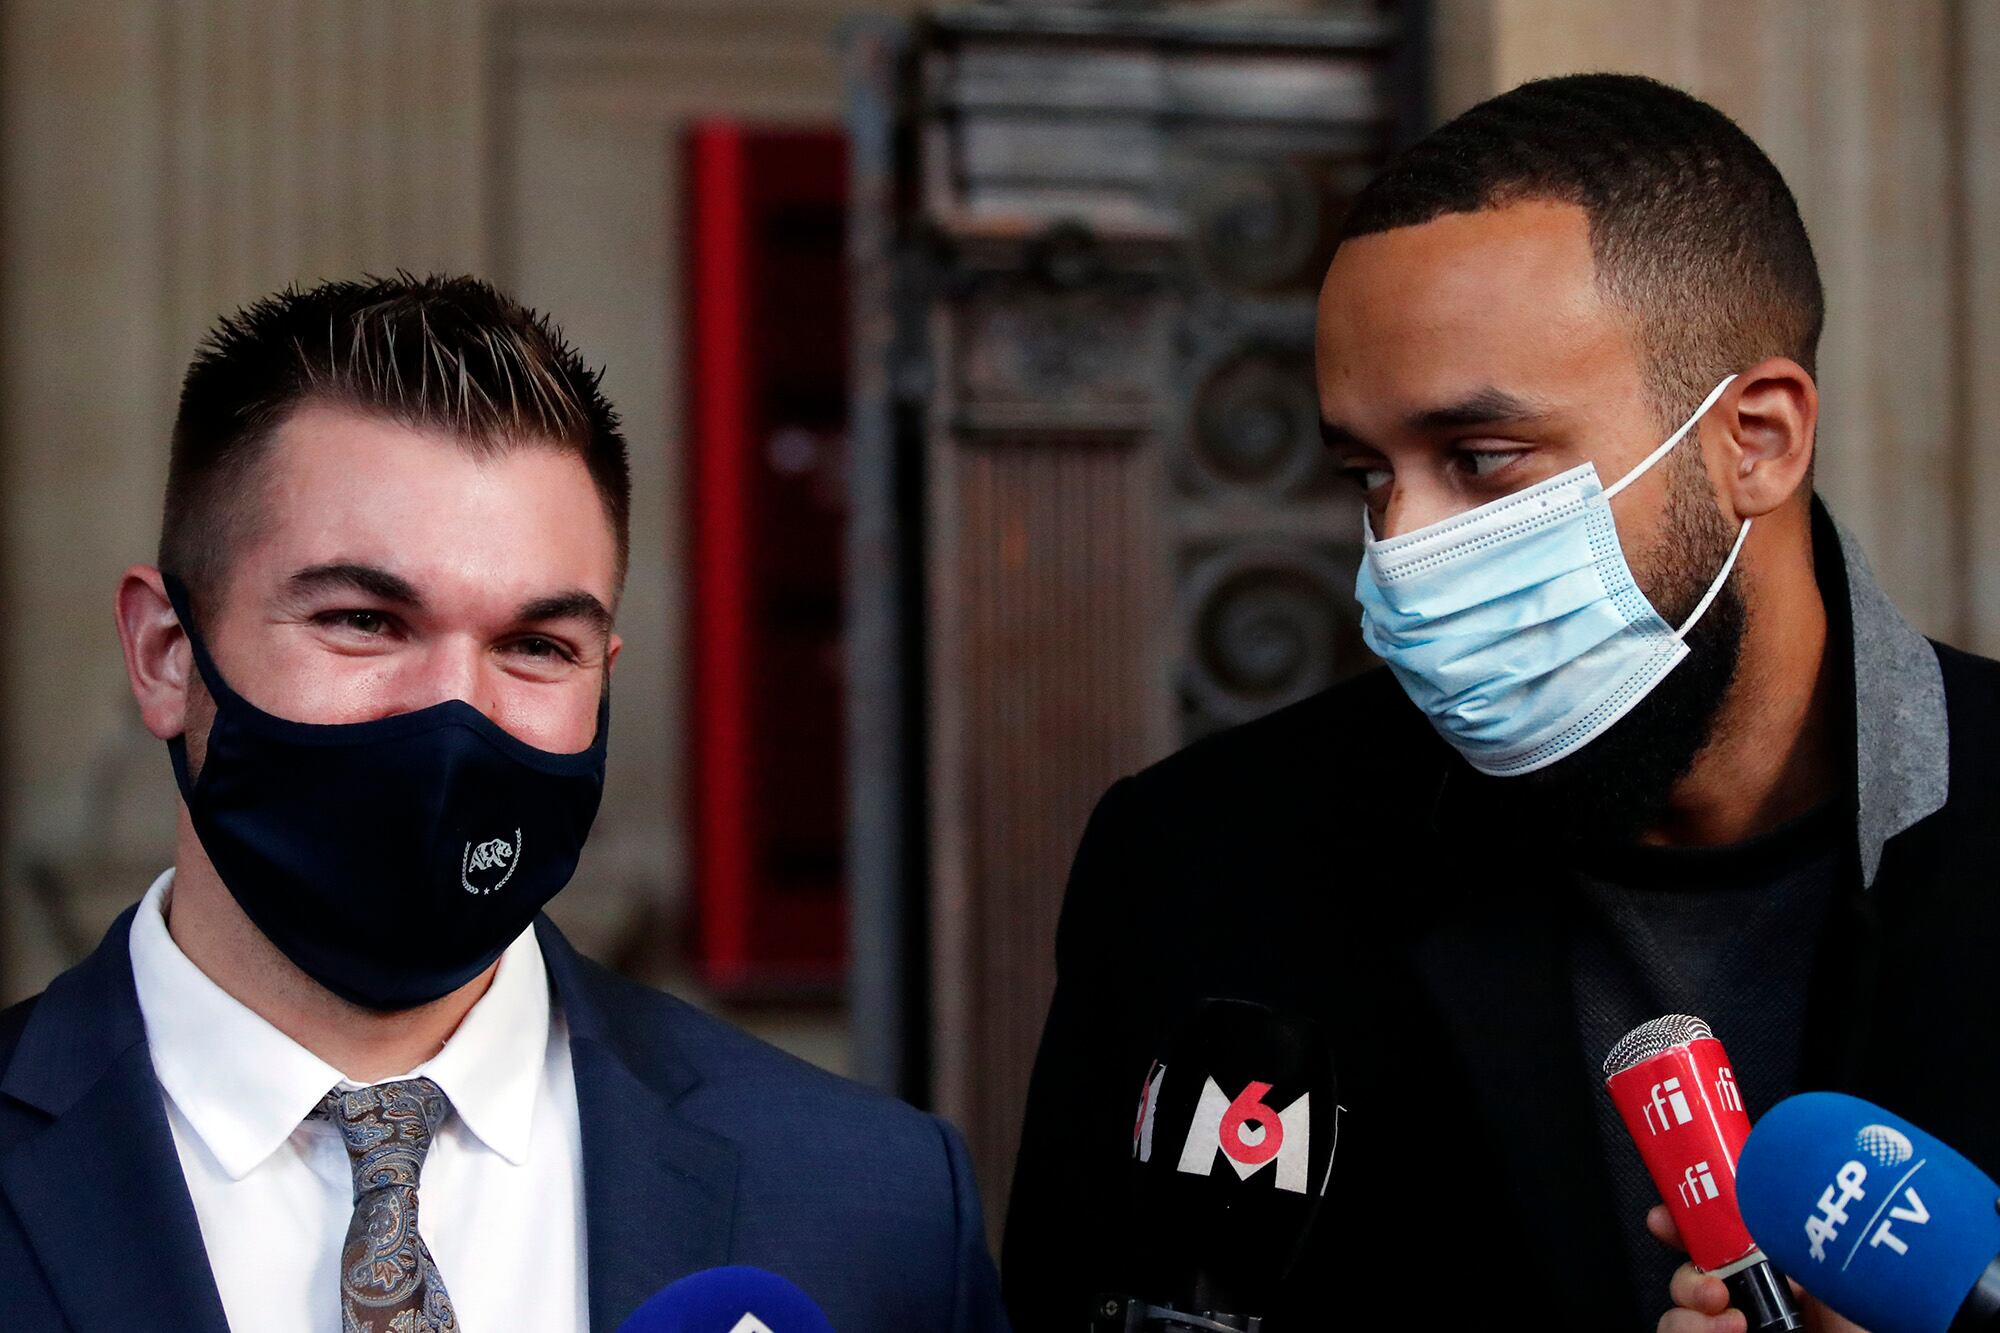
<point x="659" y="1190"/>
<point x="100" y="1193"/>
<point x="102" y="1199"/>
<point x="99" y="1189"/>
<point x="1497" y="971"/>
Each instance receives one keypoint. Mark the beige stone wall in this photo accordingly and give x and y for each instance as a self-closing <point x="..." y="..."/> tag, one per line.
<point x="1885" y="118"/>
<point x="165" y="160"/>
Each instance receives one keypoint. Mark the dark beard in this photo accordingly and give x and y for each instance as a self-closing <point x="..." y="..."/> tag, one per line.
<point x="1619" y="782"/>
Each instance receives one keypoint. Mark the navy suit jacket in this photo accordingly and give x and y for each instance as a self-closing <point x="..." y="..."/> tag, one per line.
<point x="701" y="1146"/>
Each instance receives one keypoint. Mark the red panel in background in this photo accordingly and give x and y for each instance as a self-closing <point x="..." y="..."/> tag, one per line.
<point x="766" y="328"/>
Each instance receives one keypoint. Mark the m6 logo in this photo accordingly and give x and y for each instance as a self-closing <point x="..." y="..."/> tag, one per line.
<point x="1250" y="1135"/>
<point x="1149" y="1109"/>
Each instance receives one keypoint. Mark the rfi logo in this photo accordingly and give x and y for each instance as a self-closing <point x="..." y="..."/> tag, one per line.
<point x="1674" y="1103"/>
<point x="1697" y="1185"/>
<point x="1726" y="1090"/>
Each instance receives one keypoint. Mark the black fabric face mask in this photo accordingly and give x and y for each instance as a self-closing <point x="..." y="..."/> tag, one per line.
<point x="391" y="860"/>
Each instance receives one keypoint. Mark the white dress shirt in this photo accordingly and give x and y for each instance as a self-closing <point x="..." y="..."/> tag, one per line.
<point x="500" y="1199"/>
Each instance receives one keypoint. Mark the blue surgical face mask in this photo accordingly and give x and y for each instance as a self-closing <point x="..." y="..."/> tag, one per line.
<point x="1516" y="627"/>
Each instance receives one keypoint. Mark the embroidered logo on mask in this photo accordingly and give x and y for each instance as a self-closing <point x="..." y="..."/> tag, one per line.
<point x="487" y="866"/>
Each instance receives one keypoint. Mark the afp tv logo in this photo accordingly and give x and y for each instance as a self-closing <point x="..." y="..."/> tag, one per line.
<point x="1243" y="1130"/>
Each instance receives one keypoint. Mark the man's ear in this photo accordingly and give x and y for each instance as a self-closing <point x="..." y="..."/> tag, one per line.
<point x="1765" y="427"/>
<point x="158" y="660"/>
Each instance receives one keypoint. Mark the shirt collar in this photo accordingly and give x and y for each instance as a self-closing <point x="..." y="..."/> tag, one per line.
<point x="244" y="1086"/>
<point x="491" y="1069"/>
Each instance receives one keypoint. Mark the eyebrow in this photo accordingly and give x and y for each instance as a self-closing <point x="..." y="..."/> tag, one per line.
<point x="572" y="605"/>
<point x="370" y="579"/>
<point x="1485" y="407"/>
<point x="379" y="583"/>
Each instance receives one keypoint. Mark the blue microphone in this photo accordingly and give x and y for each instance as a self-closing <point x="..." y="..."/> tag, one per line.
<point x="728" y="1300"/>
<point x="1884" y="1223"/>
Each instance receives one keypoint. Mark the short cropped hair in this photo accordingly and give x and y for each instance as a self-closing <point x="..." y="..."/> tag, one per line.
<point x="451" y="355"/>
<point x="1696" y="237"/>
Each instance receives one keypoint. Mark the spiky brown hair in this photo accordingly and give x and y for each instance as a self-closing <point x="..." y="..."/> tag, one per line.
<point x="452" y="355"/>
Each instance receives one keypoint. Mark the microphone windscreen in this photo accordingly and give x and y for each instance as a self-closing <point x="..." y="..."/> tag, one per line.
<point x="1233" y="1146"/>
<point x="1677" y="1093"/>
<point x="1887" y="1225"/>
<point x="728" y="1300"/>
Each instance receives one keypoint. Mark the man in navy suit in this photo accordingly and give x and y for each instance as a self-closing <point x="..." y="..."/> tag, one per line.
<point x="335" y="1071"/>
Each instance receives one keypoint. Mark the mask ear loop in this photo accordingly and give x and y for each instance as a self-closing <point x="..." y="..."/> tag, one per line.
<point x="1715" y="588"/>
<point x="1646" y="464"/>
<point x="204" y="665"/>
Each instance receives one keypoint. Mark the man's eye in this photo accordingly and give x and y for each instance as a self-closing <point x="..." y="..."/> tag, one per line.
<point x="1483" y="463"/>
<point x="361" y="622"/>
<point x="543" y="648"/>
<point x="1368" y="480"/>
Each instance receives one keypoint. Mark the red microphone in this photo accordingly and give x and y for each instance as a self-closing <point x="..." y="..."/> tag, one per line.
<point x="1677" y="1093"/>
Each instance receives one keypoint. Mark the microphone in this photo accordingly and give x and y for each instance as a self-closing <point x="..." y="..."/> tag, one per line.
<point x="1888" y="1226"/>
<point x="728" y="1300"/>
<point x="1673" y="1086"/>
<point x="1232" y="1152"/>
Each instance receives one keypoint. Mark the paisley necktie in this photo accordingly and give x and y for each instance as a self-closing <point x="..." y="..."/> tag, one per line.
<point x="388" y="1282"/>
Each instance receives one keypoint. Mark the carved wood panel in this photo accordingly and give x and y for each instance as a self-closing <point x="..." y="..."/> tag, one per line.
<point x="1102" y="231"/>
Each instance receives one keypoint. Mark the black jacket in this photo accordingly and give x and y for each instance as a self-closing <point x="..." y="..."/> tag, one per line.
<point x="1327" y="860"/>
